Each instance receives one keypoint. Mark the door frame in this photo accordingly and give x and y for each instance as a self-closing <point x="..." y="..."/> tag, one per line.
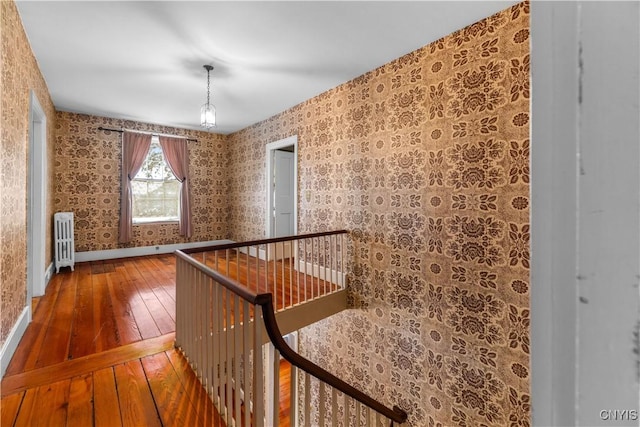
<point x="36" y="200"/>
<point x="270" y="148"/>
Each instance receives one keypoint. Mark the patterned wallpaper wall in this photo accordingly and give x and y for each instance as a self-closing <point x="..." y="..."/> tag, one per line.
<point x="87" y="182"/>
<point x="20" y="75"/>
<point x="426" y="161"/>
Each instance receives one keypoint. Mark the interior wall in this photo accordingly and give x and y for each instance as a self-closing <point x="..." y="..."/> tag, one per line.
<point x="585" y="331"/>
<point x="608" y="218"/>
<point x="87" y="182"/>
<point x="20" y="75"/>
<point x="425" y="161"/>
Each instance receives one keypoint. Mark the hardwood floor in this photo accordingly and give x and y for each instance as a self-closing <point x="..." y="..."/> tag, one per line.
<point x="99" y="352"/>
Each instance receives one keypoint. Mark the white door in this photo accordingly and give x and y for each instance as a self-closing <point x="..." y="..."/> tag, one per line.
<point x="283" y="193"/>
<point x="37" y="201"/>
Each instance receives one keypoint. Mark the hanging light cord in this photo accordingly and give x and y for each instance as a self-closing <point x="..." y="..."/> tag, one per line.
<point x="208" y="68"/>
<point x="208" y="86"/>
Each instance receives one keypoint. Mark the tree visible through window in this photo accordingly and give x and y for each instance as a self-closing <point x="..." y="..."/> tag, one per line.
<point x="156" y="191"/>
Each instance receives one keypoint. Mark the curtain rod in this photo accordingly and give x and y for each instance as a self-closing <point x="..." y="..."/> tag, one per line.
<point x="147" y="133"/>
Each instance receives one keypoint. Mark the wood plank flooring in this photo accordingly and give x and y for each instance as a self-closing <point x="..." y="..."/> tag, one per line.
<point x="99" y="352"/>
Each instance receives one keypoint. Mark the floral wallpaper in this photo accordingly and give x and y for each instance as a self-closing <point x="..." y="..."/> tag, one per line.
<point x="426" y="161"/>
<point x="20" y="76"/>
<point x="87" y="182"/>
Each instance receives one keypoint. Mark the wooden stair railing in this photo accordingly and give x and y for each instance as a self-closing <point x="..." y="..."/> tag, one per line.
<point x="395" y="414"/>
<point x="217" y="332"/>
<point x="222" y="246"/>
<point x="295" y="269"/>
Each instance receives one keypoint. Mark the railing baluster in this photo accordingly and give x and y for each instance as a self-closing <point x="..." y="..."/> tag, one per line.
<point x="292" y="272"/>
<point x="187" y="303"/>
<point x="247" y="364"/>
<point x="320" y="267"/>
<point x="307" y="399"/>
<point x="217" y="307"/>
<point x="313" y="264"/>
<point x="321" y="403"/>
<point x="249" y="271"/>
<point x="179" y="319"/>
<point x="228" y="333"/>
<point x="325" y="261"/>
<point x="334" y="406"/>
<point x="276" y="386"/>
<point x="193" y="324"/>
<point x="204" y="359"/>
<point x="293" y="394"/>
<point x="219" y="359"/>
<point x="342" y="265"/>
<point x="257" y="268"/>
<point x="269" y="374"/>
<point x="331" y="258"/>
<point x="275" y="272"/>
<point x="237" y="352"/>
<point x="238" y="265"/>
<point x="334" y="262"/>
<point x="266" y="277"/>
<point x="346" y="403"/>
<point x="211" y="336"/>
<point x="199" y="308"/>
<point x="318" y="263"/>
<point x="223" y="354"/>
<point x="196" y="324"/>
<point x="282" y="278"/>
<point x="258" y="387"/>
<point x="202" y="326"/>
<point x="305" y="268"/>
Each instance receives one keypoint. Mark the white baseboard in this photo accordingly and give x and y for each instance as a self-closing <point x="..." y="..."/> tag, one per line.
<point x="142" y="250"/>
<point x="48" y="274"/>
<point x="320" y="272"/>
<point x="309" y="268"/>
<point x="253" y="251"/>
<point x="276" y="251"/>
<point x="13" y="339"/>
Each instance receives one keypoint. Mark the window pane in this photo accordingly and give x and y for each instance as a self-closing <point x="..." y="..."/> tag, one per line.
<point x="155" y="190"/>
<point x="172" y="190"/>
<point x="154" y="166"/>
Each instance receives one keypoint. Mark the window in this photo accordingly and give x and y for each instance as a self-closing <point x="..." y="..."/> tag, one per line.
<point x="156" y="191"/>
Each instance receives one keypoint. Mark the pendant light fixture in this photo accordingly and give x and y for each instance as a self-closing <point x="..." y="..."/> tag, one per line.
<point x="208" y="111"/>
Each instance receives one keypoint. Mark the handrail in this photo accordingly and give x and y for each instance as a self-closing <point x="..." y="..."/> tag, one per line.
<point x="235" y="245"/>
<point x="235" y="287"/>
<point x="271" y="325"/>
<point x="265" y="300"/>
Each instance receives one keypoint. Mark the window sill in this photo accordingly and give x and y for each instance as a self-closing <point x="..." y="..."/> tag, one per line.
<point x="145" y="221"/>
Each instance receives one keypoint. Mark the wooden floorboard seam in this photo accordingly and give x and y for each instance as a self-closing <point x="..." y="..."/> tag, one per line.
<point x="86" y="364"/>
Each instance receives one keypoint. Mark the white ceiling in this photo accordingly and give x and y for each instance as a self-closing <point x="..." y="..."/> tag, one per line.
<point x="142" y="60"/>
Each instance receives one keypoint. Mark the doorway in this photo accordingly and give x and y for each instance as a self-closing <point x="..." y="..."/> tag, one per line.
<point x="36" y="200"/>
<point x="282" y="187"/>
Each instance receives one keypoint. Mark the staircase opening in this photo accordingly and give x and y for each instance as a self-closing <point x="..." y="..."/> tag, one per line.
<point x="235" y="303"/>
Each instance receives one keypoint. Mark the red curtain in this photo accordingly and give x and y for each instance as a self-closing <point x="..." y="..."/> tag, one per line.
<point x="135" y="147"/>
<point x="175" y="153"/>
